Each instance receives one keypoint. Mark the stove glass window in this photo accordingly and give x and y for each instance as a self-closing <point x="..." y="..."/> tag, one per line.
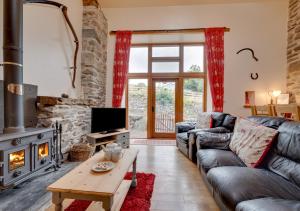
<point x="16" y="160"/>
<point x="43" y="150"/>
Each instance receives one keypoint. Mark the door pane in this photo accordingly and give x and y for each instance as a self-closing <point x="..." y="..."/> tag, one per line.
<point x="137" y="107"/>
<point x="165" y="107"/>
<point x="193" y="59"/>
<point x="172" y="51"/>
<point x="193" y="90"/>
<point x="165" y="67"/>
<point x="138" y="62"/>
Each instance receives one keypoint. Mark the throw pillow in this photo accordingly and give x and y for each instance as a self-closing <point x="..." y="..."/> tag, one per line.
<point x="251" y="141"/>
<point x="203" y="120"/>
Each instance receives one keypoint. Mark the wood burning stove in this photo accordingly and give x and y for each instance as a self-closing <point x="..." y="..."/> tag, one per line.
<point x="24" y="152"/>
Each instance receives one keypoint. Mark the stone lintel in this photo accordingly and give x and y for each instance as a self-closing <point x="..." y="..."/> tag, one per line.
<point x="52" y="101"/>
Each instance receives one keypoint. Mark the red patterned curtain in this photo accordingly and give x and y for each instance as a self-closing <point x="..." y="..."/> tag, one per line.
<point x="214" y="48"/>
<point x="121" y="63"/>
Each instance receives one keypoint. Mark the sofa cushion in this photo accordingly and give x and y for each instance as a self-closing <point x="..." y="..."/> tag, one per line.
<point x="182" y="127"/>
<point x="237" y="184"/>
<point x="217" y="118"/>
<point x="211" y="158"/>
<point x="208" y="130"/>
<point x="229" y="122"/>
<point x="285" y="168"/>
<point x="213" y="140"/>
<point x="251" y="141"/>
<point x="203" y="120"/>
<point x="268" y="204"/>
<point x="182" y="137"/>
<point x="272" y="122"/>
<point x="285" y="159"/>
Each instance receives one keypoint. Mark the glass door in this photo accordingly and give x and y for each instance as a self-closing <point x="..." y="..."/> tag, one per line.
<point x="137" y="108"/>
<point x="164" y="107"/>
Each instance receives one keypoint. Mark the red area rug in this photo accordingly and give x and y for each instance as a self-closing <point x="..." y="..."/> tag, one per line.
<point x="137" y="199"/>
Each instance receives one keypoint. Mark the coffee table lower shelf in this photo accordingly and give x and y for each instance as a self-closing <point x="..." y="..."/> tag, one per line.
<point x="119" y="198"/>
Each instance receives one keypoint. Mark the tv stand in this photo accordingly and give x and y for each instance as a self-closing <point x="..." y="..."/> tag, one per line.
<point x="108" y="132"/>
<point x="120" y="136"/>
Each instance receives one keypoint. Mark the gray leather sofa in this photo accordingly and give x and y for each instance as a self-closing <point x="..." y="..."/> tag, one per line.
<point x="274" y="186"/>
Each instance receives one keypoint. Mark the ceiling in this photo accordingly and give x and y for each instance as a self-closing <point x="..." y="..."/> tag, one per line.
<point x="159" y="3"/>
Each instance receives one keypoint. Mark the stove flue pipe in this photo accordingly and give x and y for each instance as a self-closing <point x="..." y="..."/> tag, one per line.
<point x="13" y="66"/>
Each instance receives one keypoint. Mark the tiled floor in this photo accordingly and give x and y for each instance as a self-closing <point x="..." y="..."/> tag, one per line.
<point x="178" y="185"/>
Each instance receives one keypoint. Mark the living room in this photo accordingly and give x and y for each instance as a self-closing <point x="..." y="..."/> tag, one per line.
<point x="160" y="105"/>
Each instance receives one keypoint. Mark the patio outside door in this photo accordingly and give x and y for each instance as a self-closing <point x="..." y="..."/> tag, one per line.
<point x="164" y="107"/>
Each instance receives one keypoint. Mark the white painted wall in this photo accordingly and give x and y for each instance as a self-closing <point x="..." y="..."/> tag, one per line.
<point x="49" y="47"/>
<point x="261" y="26"/>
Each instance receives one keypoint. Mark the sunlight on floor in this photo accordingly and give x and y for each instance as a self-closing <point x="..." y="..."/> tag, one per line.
<point x="153" y="142"/>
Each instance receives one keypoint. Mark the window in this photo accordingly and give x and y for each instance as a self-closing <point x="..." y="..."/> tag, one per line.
<point x="166" y="51"/>
<point x="166" y="84"/>
<point x="193" y="59"/>
<point x="138" y="61"/>
<point x="193" y="90"/>
<point x="165" y="67"/>
<point x="137" y="107"/>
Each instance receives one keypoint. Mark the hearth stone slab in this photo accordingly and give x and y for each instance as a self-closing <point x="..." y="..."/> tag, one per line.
<point x="32" y="194"/>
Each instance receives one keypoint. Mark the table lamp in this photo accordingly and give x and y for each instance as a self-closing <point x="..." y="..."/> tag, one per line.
<point x="275" y="94"/>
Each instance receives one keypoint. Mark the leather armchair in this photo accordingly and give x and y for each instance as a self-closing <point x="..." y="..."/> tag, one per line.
<point x="186" y="132"/>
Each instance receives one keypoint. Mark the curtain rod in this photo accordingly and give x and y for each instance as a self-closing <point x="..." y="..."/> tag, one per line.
<point x="193" y="30"/>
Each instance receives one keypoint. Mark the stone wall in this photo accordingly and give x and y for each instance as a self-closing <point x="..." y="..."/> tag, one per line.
<point x="94" y="52"/>
<point x="293" y="51"/>
<point x="73" y="114"/>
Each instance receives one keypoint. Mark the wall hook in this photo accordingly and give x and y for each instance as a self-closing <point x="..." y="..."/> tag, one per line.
<point x="252" y="52"/>
<point x="254" y="76"/>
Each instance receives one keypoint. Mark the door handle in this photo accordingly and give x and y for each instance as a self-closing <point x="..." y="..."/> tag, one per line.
<point x="153" y="109"/>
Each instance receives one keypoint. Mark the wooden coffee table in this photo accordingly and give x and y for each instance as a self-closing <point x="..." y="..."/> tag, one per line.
<point x="110" y="188"/>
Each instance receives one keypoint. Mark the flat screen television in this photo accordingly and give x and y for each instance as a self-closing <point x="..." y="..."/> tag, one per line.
<point x="108" y="119"/>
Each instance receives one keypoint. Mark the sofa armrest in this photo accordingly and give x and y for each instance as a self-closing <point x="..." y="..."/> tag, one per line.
<point x="213" y="140"/>
<point x="192" y="136"/>
<point x="208" y="130"/>
<point x="183" y="127"/>
<point x="216" y="130"/>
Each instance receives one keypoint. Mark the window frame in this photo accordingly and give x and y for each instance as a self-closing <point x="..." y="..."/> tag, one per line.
<point x="181" y="75"/>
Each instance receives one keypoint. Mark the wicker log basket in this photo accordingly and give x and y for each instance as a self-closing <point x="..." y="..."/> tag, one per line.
<point x="81" y="152"/>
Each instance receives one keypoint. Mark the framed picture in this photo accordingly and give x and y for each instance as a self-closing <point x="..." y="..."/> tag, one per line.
<point x="283" y="99"/>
